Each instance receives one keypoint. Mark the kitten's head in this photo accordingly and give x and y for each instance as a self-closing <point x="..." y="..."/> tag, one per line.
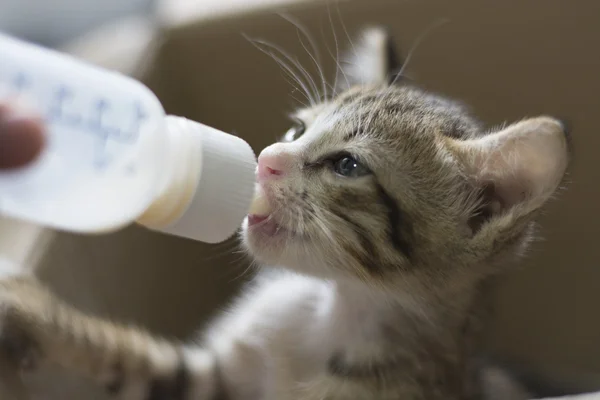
<point x="386" y="183"/>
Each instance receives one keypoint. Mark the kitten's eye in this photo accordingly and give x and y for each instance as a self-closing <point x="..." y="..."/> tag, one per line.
<point x="295" y="131"/>
<point x="349" y="167"/>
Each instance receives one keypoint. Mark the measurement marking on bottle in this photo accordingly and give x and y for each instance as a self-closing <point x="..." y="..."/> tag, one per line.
<point x="55" y="111"/>
<point x="20" y="81"/>
<point x="100" y="107"/>
<point x="93" y="118"/>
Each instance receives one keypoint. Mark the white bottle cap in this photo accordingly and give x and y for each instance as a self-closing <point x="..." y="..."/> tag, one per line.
<point x="211" y="186"/>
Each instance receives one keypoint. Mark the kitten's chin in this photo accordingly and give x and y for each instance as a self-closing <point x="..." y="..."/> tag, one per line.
<point x="265" y="240"/>
<point x="273" y="245"/>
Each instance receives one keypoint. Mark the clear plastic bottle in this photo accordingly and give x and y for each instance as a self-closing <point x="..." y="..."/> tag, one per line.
<point x="114" y="157"/>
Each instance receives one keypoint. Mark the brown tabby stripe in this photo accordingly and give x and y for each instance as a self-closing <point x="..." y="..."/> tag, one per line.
<point x="369" y="258"/>
<point x="115" y="386"/>
<point x="396" y="219"/>
<point x="337" y="366"/>
<point x="171" y="388"/>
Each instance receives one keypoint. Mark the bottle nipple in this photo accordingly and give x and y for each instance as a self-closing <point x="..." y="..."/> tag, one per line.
<point x="260" y="204"/>
<point x="211" y="186"/>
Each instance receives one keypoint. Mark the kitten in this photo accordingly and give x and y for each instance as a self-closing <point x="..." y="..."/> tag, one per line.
<point x="390" y="212"/>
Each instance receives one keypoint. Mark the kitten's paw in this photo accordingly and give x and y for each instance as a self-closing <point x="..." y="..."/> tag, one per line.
<point x="19" y="347"/>
<point x="22" y="302"/>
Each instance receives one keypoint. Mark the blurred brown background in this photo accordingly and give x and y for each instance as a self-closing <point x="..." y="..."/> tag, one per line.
<point x="508" y="60"/>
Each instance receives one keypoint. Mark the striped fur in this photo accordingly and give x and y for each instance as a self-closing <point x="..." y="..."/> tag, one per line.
<point x="383" y="275"/>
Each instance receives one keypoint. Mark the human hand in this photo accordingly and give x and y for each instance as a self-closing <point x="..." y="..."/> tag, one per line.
<point x="21" y="138"/>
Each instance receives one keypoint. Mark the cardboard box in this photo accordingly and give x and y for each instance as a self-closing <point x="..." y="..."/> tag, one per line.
<point x="508" y="60"/>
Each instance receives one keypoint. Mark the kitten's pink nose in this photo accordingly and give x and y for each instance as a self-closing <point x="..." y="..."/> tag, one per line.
<point x="273" y="162"/>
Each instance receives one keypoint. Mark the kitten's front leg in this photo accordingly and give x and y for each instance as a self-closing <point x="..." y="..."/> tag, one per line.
<point x="36" y="327"/>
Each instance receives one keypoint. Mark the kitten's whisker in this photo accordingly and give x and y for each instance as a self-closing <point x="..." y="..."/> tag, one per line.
<point x="295" y="63"/>
<point x="409" y="56"/>
<point x="315" y="55"/>
<point x="288" y="69"/>
<point x="431" y="28"/>
<point x="336" y="56"/>
<point x="226" y="248"/>
<point x="292" y="74"/>
<point x="345" y="29"/>
<point x="302" y="103"/>
<point x="296" y="89"/>
<point x="251" y="266"/>
<point x="248" y="266"/>
<point x="241" y="255"/>
<point x="339" y="13"/>
<point x="239" y="270"/>
<point x="325" y="96"/>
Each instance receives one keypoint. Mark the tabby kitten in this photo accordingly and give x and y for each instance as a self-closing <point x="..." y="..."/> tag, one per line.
<point x="388" y="213"/>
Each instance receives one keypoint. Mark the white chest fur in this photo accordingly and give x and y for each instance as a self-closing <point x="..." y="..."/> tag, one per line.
<point x="278" y="340"/>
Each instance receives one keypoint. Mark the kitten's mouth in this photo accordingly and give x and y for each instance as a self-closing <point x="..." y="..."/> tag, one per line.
<point x="254" y="219"/>
<point x="260" y="219"/>
<point x="265" y="225"/>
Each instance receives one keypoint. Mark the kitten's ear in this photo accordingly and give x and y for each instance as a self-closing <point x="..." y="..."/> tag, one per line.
<point x="372" y="60"/>
<point x="517" y="168"/>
